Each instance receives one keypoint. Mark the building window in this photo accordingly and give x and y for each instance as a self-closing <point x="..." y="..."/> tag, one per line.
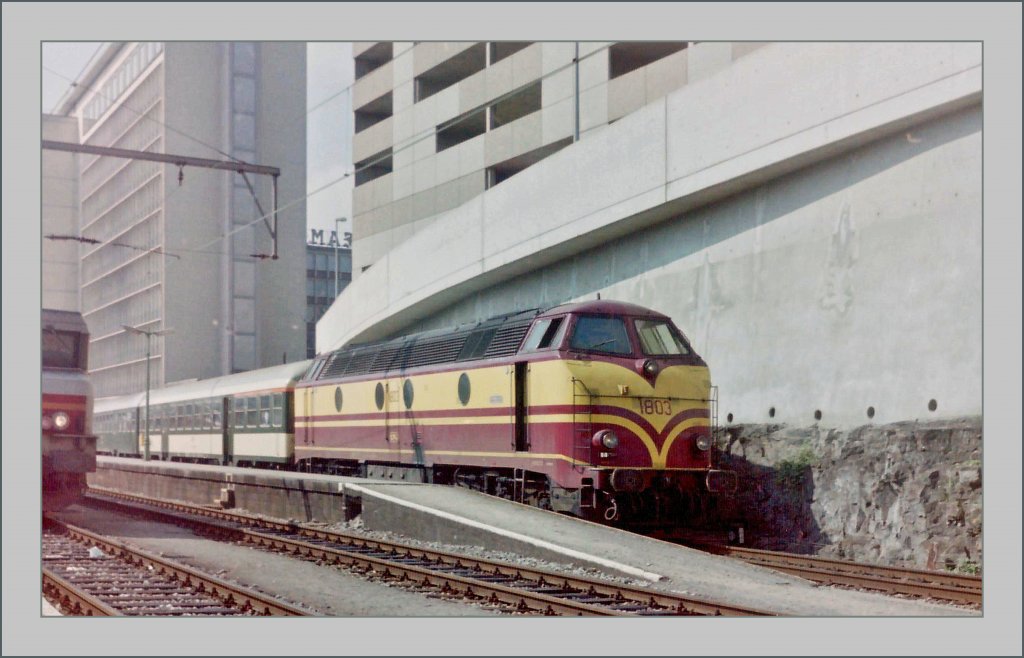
<point x="631" y="55"/>
<point x="373" y="167"/>
<point x="460" y="129"/>
<point x="502" y="171"/>
<point x="373" y="58"/>
<point x="373" y="112"/>
<point x="516" y="105"/>
<point x="451" y="71"/>
<point x="502" y="49"/>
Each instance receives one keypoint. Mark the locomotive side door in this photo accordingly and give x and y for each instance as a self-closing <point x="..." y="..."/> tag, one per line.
<point x="520" y="439"/>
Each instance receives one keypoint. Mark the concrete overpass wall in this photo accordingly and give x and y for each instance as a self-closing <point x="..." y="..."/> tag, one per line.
<point x="811" y="217"/>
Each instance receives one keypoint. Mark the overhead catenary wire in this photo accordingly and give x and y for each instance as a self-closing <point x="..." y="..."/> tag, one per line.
<point x="399" y="147"/>
<point x="407" y="144"/>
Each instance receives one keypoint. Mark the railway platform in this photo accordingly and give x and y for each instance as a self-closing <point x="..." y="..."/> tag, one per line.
<point x="459" y="516"/>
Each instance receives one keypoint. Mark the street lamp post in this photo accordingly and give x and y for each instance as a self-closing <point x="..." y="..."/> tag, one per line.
<point x="149" y="335"/>
<point x="337" y="246"/>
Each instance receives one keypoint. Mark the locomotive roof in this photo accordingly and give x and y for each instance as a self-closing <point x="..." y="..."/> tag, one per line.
<point x="495" y="337"/>
<point x="63" y="321"/>
<point x="603" y="307"/>
<point x="252" y="380"/>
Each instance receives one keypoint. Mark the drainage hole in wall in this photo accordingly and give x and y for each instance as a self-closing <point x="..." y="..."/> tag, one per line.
<point x="932" y="405"/>
<point x="771" y="412"/>
<point x="817" y="414"/>
<point x="871" y="412"/>
<point x="729" y="417"/>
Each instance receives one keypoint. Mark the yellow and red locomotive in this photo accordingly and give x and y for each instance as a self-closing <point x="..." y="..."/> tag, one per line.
<point x="68" y="444"/>
<point x="599" y="409"/>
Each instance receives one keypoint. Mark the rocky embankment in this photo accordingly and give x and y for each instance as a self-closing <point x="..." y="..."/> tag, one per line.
<point x="905" y="494"/>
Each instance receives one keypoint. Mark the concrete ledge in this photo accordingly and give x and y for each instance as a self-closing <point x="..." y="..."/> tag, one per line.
<point x="698" y="144"/>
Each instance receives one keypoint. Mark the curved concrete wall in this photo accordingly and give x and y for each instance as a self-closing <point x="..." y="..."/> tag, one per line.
<point x="851" y="283"/>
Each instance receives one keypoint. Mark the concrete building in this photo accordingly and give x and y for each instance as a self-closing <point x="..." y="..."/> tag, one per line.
<point x="59" y="256"/>
<point x="437" y="124"/>
<point x="328" y="271"/>
<point x="808" y="213"/>
<point x="163" y="261"/>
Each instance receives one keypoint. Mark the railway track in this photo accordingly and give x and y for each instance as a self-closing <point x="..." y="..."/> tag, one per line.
<point x="511" y="587"/>
<point x="946" y="586"/>
<point x="87" y="574"/>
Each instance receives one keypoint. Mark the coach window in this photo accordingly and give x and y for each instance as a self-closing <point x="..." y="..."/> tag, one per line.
<point x="239" y="406"/>
<point x="601" y="334"/>
<point x="252" y="412"/>
<point x="264" y="411"/>
<point x="215" y="413"/>
<point x="278" y="410"/>
<point x="545" y="334"/>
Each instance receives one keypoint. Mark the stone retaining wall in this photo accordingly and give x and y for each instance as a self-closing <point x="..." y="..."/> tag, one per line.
<point x="902" y="494"/>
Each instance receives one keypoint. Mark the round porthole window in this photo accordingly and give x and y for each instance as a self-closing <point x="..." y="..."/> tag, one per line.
<point x="464" y="389"/>
<point x="337" y="398"/>
<point x="407" y="393"/>
<point x="378" y="395"/>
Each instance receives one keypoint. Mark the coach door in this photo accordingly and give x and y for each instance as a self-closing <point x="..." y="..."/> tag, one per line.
<point x="520" y="441"/>
<point x="226" y="436"/>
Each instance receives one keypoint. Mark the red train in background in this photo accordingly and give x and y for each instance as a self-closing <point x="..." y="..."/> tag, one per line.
<point x="68" y="444"/>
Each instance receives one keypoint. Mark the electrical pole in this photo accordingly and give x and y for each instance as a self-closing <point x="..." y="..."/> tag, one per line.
<point x="182" y="161"/>
<point x="149" y="336"/>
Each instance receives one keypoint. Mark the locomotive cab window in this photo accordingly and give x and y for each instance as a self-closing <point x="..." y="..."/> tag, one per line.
<point x="600" y="334"/>
<point x="546" y="334"/>
<point x="60" y="349"/>
<point x="659" y="338"/>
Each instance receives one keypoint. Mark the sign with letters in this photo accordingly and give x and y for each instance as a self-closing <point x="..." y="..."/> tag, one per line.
<point x="316" y="237"/>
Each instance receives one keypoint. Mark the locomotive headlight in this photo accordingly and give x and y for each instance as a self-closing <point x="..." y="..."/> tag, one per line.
<point x="47" y="422"/>
<point x="650" y="368"/>
<point x="607" y="439"/>
<point x="703" y="442"/>
<point x="61" y="420"/>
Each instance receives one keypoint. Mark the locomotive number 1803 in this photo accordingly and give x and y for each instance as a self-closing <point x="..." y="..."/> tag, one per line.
<point x="654" y="406"/>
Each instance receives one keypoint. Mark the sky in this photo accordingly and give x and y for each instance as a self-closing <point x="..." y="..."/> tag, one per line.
<point x="62" y="63"/>
<point x="329" y="76"/>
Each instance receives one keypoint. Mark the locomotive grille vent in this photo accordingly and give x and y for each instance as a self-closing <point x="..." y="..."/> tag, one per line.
<point x="335" y="365"/>
<point x="359" y="363"/>
<point x="387" y="358"/>
<point x="489" y="341"/>
<point x="507" y="339"/>
<point x="429" y="352"/>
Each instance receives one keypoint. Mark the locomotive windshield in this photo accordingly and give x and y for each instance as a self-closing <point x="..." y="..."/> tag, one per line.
<point x="658" y="338"/>
<point x="601" y="334"/>
<point x="61" y="349"/>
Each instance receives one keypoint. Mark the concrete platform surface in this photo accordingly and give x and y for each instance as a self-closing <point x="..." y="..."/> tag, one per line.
<point x="453" y="515"/>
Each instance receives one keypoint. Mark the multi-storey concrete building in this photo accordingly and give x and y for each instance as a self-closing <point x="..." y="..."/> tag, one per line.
<point x="60" y="217"/>
<point x="162" y="260"/>
<point x="810" y="213"/>
<point x="437" y="124"/>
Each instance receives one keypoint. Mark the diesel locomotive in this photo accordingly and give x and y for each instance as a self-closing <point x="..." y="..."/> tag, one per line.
<point x="68" y="448"/>
<point x="598" y="409"/>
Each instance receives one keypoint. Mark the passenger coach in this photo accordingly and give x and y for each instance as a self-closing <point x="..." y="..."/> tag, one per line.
<point x="236" y="419"/>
